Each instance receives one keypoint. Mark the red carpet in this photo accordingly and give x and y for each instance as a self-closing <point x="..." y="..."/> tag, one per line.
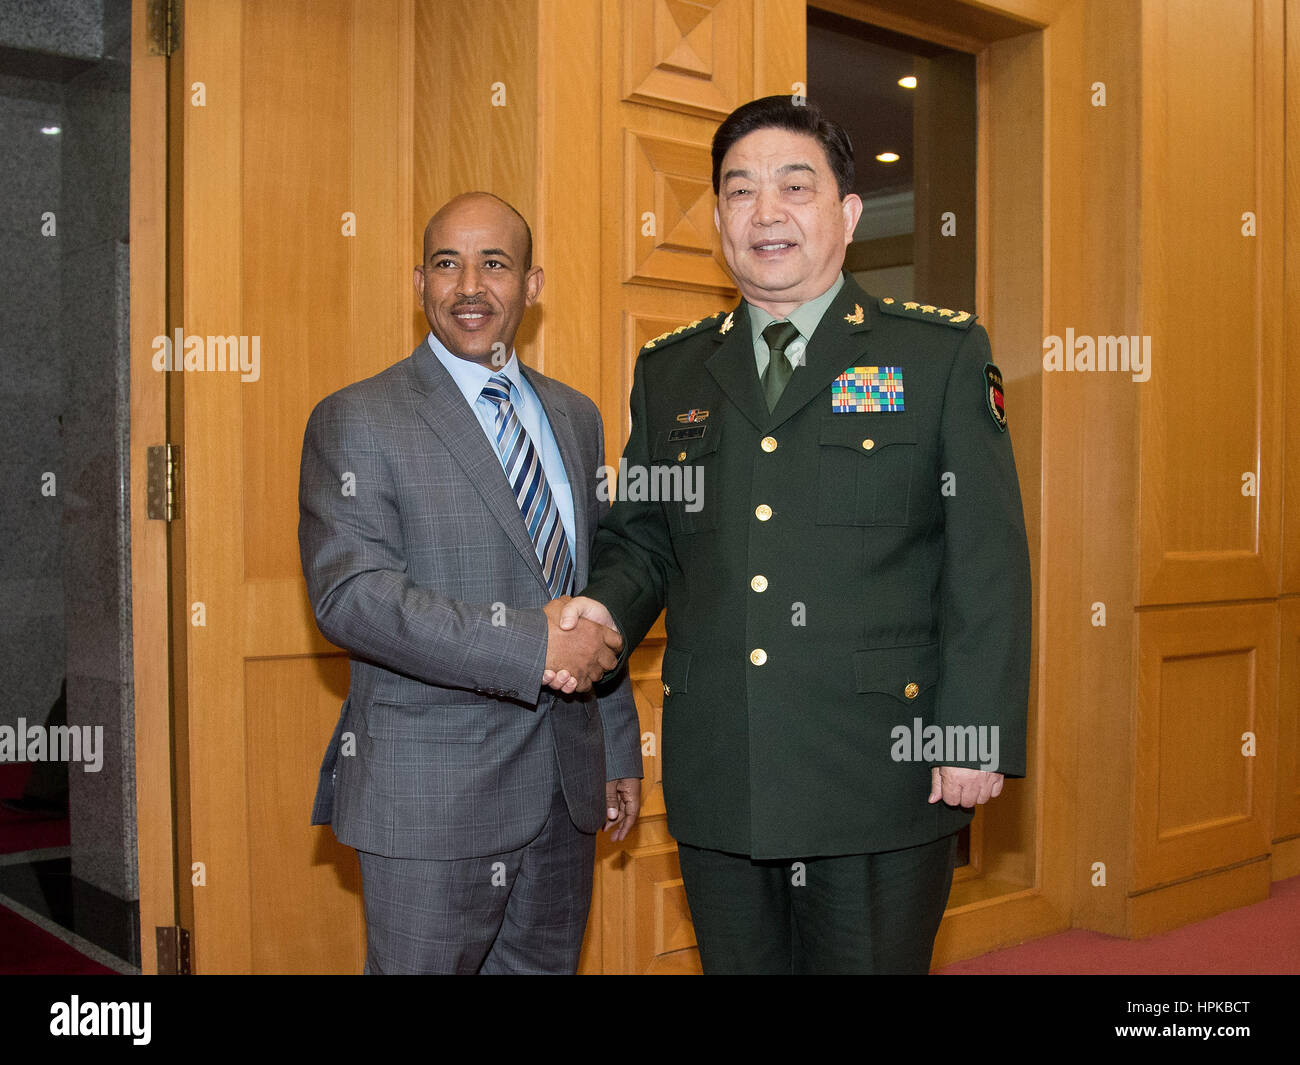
<point x="1259" y="939"/>
<point x="26" y="950"/>
<point x="26" y="832"/>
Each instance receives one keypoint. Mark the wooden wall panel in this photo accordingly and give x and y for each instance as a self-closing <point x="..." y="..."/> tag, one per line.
<point x="1286" y="787"/>
<point x="1211" y="411"/>
<point x="569" y="214"/>
<point x="466" y="52"/>
<point x="297" y="868"/>
<point x="1090" y="486"/>
<point x="1207" y="678"/>
<point x="307" y="115"/>
<point x="303" y="62"/>
<point x="1290" y="308"/>
<point x="1010" y="301"/>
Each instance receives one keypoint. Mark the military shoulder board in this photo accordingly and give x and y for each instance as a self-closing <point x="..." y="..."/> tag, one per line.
<point x="683" y="331"/>
<point x="928" y="312"/>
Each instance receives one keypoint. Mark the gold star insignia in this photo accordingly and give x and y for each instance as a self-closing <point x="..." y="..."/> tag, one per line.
<point x="961" y="317"/>
<point x="945" y="312"/>
<point x="726" y="326"/>
<point x="929" y="308"/>
<point x="856" y="317"/>
<point x="888" y="299"/>
<point x="911" y="305"/>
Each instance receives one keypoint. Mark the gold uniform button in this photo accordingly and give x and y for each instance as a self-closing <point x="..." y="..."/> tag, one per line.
<point x="667" y="690"/>
<point x="758" y="656"/>
<point x="912" y="690"/>
<point x="762" y="512"/>
<point x="759" y="583"/>
<point x="768" y="444"/>
<point x="681" y="456"/>
<point x="868" y="443"/>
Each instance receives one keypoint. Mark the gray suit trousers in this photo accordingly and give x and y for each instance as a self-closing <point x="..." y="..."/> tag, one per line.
<point x="522" y="911"/>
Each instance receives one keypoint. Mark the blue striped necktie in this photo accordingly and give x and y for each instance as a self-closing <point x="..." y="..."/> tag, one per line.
<point x="524" y="471"/>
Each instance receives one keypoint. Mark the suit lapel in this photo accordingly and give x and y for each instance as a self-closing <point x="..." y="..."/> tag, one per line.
<point x="443" y="408"/>
<point x="732" y="366"/>
<point x="840" y="339"/>
<point x="557" y="413"/>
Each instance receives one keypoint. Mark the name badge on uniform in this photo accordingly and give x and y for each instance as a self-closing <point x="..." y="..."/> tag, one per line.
<point x="867" y="390"/>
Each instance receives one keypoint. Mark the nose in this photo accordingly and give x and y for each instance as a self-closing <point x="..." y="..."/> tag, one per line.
<point x="768" y="208"/>
<point x="471" y="281"/>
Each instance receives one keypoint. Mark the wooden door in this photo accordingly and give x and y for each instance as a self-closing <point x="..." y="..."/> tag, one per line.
<point x="293" y="171"/>
<point x="669" y="73"/>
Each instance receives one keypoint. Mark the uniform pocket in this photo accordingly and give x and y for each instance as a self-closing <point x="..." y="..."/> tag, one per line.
<point x="904" y="673"/>
<point x="683" y="477"/>
<point x="675" y="672"/>
<point x="865" y="474"/>
<point x="427" y="722"/>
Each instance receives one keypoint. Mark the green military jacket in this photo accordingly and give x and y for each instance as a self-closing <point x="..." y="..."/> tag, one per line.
<point x="840" y="576"/>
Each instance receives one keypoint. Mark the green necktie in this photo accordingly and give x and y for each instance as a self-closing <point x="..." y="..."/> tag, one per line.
<point x="778" y="336"/>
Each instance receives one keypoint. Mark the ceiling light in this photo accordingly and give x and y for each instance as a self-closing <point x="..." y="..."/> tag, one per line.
<point x="908" y="82"/>
<point x="887" y="157"/>
<point x="51" y="130"/>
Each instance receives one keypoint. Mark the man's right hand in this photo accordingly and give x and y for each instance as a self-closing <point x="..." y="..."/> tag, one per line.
<point x="581" y="652"/>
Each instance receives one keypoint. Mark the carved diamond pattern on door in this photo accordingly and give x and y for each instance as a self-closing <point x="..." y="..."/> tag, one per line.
<point x="686" y="54"/>
<point x="677" y="247"/>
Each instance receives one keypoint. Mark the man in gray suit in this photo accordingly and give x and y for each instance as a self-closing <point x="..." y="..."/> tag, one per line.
<point x="447" y="507"/>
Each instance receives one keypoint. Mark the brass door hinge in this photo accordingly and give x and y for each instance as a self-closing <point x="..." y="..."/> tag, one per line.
<point x="163" y="490"/>
<point x="163" y="26"/>
<point x="173" y="943"/>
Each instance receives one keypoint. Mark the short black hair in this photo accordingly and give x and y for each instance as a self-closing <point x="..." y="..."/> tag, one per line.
<point x="781" y="112"/>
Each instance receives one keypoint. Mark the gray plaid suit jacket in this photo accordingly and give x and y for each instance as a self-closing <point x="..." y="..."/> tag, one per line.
<point x="419" y="565"/>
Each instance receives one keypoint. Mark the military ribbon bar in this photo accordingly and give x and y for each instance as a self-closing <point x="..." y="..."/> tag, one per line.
<point x="868" y="389"/>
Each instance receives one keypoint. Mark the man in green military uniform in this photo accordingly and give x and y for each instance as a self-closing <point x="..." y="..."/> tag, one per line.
<point x="848" y="602"/>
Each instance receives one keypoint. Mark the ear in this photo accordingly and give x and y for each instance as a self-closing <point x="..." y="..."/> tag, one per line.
<point x="717" y="220"/>
<point x="419" y="283"/>
<point x="533" y="285"/>
<point x="852" y="207"/>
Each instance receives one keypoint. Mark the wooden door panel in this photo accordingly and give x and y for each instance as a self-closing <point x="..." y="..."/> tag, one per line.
<point x="1207" y="677"/>
<point x="296" y="228"/>
<point x="1211" y="500"/>
<point x="694" y="56"/>
<point x="301" y="878"/>
<point x="1286" y="812"/>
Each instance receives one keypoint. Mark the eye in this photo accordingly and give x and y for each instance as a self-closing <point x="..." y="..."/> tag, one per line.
<point x="441" y="263"/>
<point x="495" y="264"/>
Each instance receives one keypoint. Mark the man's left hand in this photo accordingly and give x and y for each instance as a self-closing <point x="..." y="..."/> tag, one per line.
<point x="963" y="787"/>
<point x="622" y="804"/>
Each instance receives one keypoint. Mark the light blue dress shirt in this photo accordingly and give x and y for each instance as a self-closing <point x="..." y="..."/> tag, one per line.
<point x="470" y="377"/>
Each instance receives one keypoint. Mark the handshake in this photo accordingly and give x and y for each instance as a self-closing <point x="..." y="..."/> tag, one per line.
<point x="582" y="643"/>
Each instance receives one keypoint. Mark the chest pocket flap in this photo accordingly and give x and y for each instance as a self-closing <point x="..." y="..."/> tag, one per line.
<point x="865" y="472"/>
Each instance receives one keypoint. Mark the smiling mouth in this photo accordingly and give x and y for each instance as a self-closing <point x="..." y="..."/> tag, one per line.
<point x="774" y="246"/>
<point x="471" y="316"/>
